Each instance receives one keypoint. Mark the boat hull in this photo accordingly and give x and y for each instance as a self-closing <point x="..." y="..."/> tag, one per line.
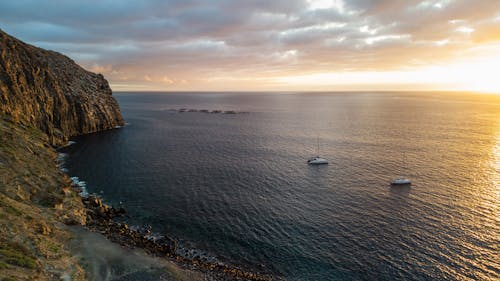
<point x="317" y="162"/>
<point x="401" y="182"/>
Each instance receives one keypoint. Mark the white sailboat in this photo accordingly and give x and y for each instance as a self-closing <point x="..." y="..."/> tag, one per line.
<point x="317" y="160"/>
<point x="402" y="180"/>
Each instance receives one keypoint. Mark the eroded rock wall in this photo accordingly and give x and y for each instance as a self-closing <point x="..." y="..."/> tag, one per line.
<point x="51" y="92"/>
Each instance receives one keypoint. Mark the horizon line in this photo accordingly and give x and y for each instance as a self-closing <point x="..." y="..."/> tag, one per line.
<point x="308" y="91"/>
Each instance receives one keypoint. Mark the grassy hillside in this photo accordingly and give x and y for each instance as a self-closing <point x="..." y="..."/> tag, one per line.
<point x="35" y="202"/>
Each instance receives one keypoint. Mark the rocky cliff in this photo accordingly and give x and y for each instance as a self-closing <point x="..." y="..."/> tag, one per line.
<point x="45" y="98"/>
<point x="51" y="92"/>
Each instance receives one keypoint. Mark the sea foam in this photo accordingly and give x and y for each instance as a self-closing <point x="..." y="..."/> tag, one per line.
<point x="61" y="161"/>
<point x="81" y="185"/>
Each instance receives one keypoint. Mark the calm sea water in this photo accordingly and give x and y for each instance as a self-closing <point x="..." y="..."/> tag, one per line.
<point x="237" y="186"/>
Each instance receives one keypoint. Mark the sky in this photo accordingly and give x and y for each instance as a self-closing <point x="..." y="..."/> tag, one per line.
<point x="270" y="45"/>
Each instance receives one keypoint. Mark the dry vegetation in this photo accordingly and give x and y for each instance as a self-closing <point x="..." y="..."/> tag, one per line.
<point x="34" y="201"/>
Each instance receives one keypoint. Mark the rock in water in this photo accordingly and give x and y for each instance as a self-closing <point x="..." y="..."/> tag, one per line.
<point x="50" y="91"/>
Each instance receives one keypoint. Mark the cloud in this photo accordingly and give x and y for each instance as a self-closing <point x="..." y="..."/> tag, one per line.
<point x="194" y="40"/>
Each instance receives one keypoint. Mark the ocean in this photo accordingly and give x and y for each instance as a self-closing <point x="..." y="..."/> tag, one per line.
<point x="236" y="188"/>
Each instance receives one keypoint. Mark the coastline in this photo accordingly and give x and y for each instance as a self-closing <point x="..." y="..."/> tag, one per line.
<point x="105" y="260"/>
<point x="42" y="216"/>
<point x="101" y="219"/>
<point x="111" y="223"/>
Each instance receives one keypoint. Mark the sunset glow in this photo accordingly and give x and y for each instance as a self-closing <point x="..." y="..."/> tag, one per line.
<point x="297" y="45"/>
<point x="479" y="75"/>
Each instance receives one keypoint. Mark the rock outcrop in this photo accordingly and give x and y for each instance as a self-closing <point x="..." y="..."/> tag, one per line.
<point x="51" y="92"/>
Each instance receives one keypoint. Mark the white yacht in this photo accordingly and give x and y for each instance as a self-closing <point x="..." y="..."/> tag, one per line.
<point x="401" y="181"/>
<point x="317" y="160"/>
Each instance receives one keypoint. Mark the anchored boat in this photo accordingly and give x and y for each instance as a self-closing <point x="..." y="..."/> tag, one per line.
<point x="317" y="160"/>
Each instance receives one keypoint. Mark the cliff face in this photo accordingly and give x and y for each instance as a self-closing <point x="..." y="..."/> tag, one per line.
<point x="45" y="97"/>
<point x="51" y="92"/>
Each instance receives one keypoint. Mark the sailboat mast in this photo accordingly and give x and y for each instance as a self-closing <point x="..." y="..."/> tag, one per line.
<point x="405" y="165"/>
<point x="317" y="148"/>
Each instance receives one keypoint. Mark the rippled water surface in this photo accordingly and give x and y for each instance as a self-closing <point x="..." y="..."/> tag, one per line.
<point x="237" y="186"/>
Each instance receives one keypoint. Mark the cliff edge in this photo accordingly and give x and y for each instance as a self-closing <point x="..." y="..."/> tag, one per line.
<point x="45" y="97"/>
<point x="51" y="92"/>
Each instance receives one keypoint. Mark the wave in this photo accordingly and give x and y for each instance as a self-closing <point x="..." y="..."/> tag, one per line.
<point x="81" y="186"/>
<point x="61" y="161"/>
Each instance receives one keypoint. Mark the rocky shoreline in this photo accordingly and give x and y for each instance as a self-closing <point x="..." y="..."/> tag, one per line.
<point x="102" y="218"/>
